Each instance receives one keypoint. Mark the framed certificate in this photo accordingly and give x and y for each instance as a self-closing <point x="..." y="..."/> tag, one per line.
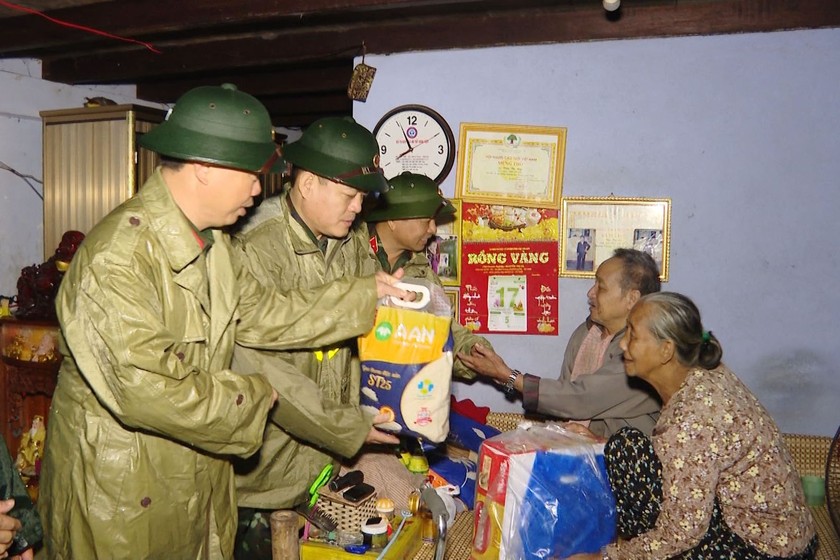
<point x="514" y="165"/>
<point x="594" y="227"/>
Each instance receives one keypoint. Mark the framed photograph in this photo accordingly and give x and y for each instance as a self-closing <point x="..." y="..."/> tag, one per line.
<point x="453" y="295"/>
<point x="444" y="249"/>
<point x="515" y="165"/>
<point x="592" y="228"/>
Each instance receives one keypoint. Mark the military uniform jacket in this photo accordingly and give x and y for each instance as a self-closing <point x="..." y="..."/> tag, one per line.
<point x="319" y="418"/>
<point x="146" y="413"/>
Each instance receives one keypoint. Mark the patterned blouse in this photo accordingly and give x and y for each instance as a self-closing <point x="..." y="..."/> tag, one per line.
<point x="715" y="439"/>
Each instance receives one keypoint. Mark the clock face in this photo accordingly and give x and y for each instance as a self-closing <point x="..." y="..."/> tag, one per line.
<point x="417" y="139"/>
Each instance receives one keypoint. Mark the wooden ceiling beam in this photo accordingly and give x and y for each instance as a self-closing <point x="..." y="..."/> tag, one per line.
<point x="144" y="19"/>
<point x="260" y="82"/>
<point x="441" y="32"/>
<point x="302" y="119"/>
<point x="337" y="103"/>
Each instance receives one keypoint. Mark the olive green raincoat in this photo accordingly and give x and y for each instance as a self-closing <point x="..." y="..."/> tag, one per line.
<point x="318" y="418"/>
<point x="146" y="410"/>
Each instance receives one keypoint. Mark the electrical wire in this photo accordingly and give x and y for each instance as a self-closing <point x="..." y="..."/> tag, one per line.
<point x="26" y="178"/>
<point x="12" y="6"/>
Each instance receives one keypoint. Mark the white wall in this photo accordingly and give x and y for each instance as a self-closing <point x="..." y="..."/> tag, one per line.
<point x="741" y="132"/>
<point x="23" y="94"/>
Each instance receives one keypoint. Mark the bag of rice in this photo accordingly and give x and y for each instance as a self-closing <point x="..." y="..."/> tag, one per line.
<point x="406" y="362"/>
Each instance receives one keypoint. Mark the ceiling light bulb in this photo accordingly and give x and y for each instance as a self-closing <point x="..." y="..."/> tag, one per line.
<point x="611" y="5"/>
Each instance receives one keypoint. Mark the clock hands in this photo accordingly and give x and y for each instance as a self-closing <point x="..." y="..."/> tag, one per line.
<point x="407" y="142"/>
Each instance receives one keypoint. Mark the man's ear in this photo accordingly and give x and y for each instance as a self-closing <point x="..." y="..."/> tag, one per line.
<point x="633" y="297"/>
<point x="306" y="183"/>
<point x="201" y="171"/>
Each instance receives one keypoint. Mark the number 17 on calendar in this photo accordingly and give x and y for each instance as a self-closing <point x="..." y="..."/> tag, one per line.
<point x="506" y="297"/>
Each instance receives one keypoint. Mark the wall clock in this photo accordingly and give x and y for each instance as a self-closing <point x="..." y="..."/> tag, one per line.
<point x="417" y="139"/>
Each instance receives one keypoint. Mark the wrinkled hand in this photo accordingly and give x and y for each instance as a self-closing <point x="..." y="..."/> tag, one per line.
<point x="385" y="286"/>
<point x="9" y="526"/>
<point x="581" y="430"/>
<point x="378" y="436"/>
<point x="484" y="361"/>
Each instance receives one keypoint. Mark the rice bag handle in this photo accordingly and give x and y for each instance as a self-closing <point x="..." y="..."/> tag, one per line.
<point x="420" y="303"/>
<point x="439" y="514"/>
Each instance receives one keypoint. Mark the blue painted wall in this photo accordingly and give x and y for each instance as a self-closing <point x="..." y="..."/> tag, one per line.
<point x="742" y="132"/>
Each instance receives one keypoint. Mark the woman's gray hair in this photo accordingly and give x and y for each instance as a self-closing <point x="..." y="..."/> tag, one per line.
<point x="674" y="317"/>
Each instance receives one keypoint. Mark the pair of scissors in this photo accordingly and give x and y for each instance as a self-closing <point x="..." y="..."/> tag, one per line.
<point x="320" y="481"/>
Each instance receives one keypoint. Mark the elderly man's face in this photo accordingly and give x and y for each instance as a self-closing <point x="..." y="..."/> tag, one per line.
<point x="608" y="305"/>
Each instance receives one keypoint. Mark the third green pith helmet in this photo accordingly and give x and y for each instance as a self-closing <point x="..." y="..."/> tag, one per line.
<point x="219" y="125"/>
<point x="339" y="149"/>
<point x="410" y="196"/>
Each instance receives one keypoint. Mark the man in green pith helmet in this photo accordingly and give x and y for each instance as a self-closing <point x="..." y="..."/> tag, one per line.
<point x="147" y="412"/>
<point x="308" y="236"/>
<point x="402" y="222"/>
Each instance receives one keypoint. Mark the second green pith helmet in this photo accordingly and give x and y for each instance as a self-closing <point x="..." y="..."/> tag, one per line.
<point x="410" y="196"/>
<point x="341" y="150"/>
<point x="219" y="125"/>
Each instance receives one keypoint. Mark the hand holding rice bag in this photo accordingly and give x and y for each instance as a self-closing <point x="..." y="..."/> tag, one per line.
<point x="406" y="362"/>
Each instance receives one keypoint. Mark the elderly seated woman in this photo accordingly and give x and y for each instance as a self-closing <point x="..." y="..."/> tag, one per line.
<point x="716" y="480"/>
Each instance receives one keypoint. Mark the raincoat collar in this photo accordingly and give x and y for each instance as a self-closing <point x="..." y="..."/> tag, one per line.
<point x="173" y="229"/>
<point x="302" y="238"/>
<point x="320" y="243"/>
<point x="382" y="255"/>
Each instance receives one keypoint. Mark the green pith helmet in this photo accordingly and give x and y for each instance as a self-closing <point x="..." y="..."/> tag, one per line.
<point x="410" y="196"/>
<point x="219" y="125"/>
<point x="339" y="149"/>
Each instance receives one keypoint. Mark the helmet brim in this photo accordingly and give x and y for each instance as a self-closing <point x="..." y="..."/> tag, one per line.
<point x="172" y="141"/>
<point x="428" y="208"/>
<point x="366" y="180"/>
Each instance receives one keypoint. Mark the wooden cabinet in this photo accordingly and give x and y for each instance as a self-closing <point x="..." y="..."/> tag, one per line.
<point x="29" y="362"/>
<point x="92" y="163"/>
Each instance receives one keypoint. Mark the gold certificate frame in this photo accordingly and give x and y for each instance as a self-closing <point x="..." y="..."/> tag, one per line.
<point x="515" y="165"/>
<point x="592" y="228"/>
<point x="444" y="249"/>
